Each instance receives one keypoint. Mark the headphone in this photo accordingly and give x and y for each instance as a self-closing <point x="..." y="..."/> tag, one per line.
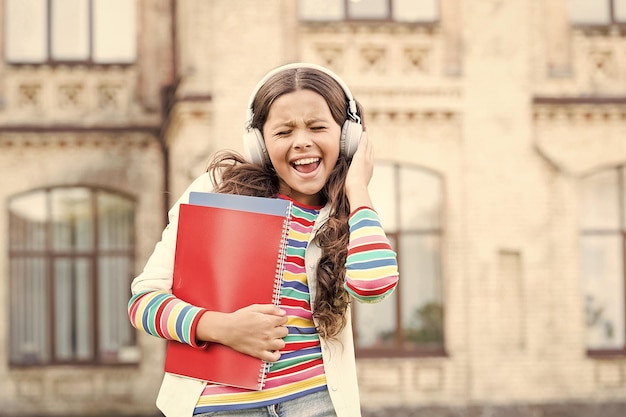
<point x="254" y="144"/>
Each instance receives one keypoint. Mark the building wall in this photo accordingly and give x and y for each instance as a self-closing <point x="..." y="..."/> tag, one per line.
<point x="471" y="98"/>
<point x="96" y="126"/>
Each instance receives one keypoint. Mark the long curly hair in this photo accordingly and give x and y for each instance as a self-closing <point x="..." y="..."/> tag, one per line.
<point x="231" y="173"/>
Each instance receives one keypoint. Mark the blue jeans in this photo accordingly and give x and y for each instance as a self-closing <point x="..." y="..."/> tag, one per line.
<point x="317" y="404"/>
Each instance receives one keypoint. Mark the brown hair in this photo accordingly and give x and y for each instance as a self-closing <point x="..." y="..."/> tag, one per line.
<point x="230" y="173"/>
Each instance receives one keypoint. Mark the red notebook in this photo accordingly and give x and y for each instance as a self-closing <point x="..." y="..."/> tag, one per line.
<point x="227" y="259"/>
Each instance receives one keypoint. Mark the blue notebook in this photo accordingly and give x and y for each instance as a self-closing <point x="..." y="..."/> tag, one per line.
<point x="275" y="206"/>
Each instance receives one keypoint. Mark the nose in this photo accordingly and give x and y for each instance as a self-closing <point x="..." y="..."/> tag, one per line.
<point x="301" y="140"/>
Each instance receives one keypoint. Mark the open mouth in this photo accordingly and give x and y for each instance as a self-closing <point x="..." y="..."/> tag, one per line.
<point x="306" y="165"/>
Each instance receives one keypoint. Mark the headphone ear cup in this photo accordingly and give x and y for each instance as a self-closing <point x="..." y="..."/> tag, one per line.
<point x="350" y="136"/>
<point x="254" y="147"/>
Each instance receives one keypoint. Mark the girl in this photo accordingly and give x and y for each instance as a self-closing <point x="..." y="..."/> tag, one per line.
<point x="302" y="132"/>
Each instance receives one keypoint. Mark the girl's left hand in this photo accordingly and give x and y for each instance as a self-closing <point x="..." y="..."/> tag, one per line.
<point x="360" y="174"/>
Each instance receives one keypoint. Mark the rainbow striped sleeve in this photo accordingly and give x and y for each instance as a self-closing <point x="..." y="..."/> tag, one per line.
<point x="160" y="314"/>
<point x="371" y="265"/>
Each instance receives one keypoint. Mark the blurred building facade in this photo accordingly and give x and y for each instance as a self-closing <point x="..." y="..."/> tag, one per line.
<point x="500" y="136"/>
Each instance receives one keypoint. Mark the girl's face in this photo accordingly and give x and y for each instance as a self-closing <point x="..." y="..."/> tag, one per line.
<point x="302" y="141"/>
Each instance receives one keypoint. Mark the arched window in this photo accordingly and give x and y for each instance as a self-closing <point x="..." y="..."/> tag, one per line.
<point x="71" y="252"/>
<point x="409" y="201"/>
<point x="603" y="237"/>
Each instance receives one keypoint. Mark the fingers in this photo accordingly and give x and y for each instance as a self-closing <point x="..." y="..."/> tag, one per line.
<point x="273" y="353"/>
<point x="267" y="309"/>
<point x="368" y="149"/>
<point x="277" y="334"/>
<point x="360" y="173"/>
<point x="275" y="315"/>
<point x="281" y="331"/>
<point x="258" y="330"/>
<point x="365" y="145"/>
<point x="270" y="356"/>
<point x="276" y="342"/>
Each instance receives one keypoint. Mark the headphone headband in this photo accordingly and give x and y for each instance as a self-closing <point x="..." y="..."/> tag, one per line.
<point x="352" y="110"/>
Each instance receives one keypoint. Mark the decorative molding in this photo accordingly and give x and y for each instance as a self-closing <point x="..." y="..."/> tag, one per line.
<point x="582" y="61"/>
<point x="412" y="93"/>
<point x="412" y="116"/>
<point x="77" y="139"/>
<point x="596" y="31"/>
<point x="437" y="104"/>
<point x="29" y="95"/>
<point x="70" y="93"/>
<point x="394" y="28"/>
<point x="373" y="59"/>
<point x="580" y="113"/>
<point x="602" y="63"/>
<point x="588" y="100"/>
<point x="381" y="50"/>
<point x="417" y="59"/>
<point x="330" y="55"/>
<point x="578" y="137"/>
<point x="109" y="95"/>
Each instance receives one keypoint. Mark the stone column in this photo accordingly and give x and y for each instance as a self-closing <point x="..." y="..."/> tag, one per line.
<point x="224" y="48"/>
<point x="497" y="177"/>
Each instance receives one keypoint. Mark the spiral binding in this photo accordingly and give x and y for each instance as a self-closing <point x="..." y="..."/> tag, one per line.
<point x="278" y="281"/>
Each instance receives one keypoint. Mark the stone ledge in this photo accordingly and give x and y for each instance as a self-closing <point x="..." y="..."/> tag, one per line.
<point x="565" y="409"/>
<point x="569" y="409"/>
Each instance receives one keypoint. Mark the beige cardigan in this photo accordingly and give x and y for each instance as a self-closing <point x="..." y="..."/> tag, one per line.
<point x="178" y="395"/>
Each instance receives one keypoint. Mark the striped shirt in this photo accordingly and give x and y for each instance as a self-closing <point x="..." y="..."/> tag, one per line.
<point x="371" y="274"/>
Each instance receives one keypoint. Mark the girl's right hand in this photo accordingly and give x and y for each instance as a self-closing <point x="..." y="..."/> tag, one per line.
<point x="257" y="330"/>
<point x="359" y="174"/>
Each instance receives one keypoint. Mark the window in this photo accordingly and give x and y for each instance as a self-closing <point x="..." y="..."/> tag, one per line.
<point x="597" y="12"/>
<point x="70" y="31"/>
<point x="71" y="253"/>
<point x="603" y="234"/>
<point x="422" y="11"/>
<point x="409" y="202"/>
